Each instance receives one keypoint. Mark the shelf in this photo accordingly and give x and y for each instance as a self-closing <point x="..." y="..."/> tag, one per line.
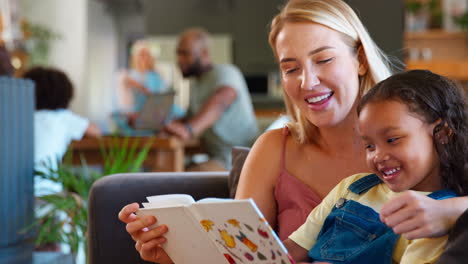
<point x="436" y="34"/>
<point x="455" y="69"/>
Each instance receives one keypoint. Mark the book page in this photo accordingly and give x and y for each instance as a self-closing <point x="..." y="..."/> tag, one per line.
<point x="214" y="200"/>
<point x="168" y="200"/>
<point x="186" y="242"/>
<point x="240" y="232"/>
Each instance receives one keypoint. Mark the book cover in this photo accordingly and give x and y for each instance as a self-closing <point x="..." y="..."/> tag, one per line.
<point x="215" y="231"/>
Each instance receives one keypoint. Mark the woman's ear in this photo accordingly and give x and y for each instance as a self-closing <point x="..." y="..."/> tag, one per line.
<point x="362" y="60"/>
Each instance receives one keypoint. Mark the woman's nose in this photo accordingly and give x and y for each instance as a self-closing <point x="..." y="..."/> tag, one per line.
<point x="309" y="79"/>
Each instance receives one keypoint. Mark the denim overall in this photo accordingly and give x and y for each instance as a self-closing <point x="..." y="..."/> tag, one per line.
<point x="353" y="233"/>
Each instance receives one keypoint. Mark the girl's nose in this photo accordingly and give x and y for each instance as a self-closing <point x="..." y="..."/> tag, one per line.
<point x="381" y="156"/>
<point x="309" y="79"/>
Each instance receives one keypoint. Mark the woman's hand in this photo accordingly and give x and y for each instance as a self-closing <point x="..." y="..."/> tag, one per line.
<point x="130" y="83"/>
<point x="415" y="215"/>
<point x="148" y="241"/>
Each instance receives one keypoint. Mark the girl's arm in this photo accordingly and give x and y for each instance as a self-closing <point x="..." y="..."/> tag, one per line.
<point x="415" y="215"/>
<point x="260" y="172"/>
<point x="92" y="131"/>
<point x="297" y="252"/>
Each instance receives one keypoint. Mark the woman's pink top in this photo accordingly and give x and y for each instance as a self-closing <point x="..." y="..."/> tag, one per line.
<point x="294" y="199"/>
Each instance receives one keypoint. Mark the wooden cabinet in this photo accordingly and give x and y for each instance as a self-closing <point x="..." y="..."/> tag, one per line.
<point x="454" y="69"/>
<point x="448" y="52"/>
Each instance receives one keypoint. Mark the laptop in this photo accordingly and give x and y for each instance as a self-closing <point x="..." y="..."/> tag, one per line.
<point x="155" y="112"/>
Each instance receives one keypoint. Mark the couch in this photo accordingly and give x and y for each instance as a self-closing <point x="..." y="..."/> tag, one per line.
<point x="110" y="243"/>
<point x="108" y="240"/>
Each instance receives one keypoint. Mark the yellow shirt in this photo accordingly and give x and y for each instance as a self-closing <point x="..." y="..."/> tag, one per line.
<point x="416" y="251"/>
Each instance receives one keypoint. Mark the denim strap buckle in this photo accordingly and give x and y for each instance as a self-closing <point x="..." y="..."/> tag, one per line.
<point x="340" y="202"/>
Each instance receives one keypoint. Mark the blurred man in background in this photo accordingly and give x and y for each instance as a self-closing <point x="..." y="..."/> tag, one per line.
<point x="220" y="110"/>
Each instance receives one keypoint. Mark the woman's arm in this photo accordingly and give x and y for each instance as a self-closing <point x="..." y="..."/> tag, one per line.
<point x="132" y="84"/>
<point x="260" y="172"/>
<point x="417" y="216"/>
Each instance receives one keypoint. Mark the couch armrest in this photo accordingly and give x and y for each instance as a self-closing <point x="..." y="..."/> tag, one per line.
<point x="455" y="251"/>
<point x="108" y="242"/>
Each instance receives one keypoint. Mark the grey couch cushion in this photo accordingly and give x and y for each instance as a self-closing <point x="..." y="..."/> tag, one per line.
<point x="239" y="154"/>
<point x="456" y="249"/>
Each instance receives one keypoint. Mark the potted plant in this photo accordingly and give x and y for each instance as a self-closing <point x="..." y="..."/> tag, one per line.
<point x="462" y="21"/>
<point x="416" y="15"/>
<point x="37" y="40"/>
<point x="62" y="216"/>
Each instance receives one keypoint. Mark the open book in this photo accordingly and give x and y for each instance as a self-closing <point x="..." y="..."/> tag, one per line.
<point x="215" y="231"/>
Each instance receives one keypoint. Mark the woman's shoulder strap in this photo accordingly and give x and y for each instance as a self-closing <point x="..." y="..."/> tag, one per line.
<point x="285" y="132"/>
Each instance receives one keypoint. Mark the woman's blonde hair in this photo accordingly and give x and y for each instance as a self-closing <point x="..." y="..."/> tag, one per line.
<point x="337" y="15"/>
<point x="140" y="45"/>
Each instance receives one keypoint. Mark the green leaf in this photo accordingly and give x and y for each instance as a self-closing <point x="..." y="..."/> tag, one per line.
<point x="70" y="207"/>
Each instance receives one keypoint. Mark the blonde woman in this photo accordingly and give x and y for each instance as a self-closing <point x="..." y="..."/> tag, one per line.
<point x="143" y="78"/>
<point x="327" y="61"/>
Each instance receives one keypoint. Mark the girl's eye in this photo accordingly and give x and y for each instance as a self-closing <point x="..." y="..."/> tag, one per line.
<point x="392" y="140"/>
<point x="369" y="147"/>
<point x="325" y="61"/>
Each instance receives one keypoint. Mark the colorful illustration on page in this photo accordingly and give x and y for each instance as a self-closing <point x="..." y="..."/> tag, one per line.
<point x="245" y="242"/>
<point x="207" y="224"/>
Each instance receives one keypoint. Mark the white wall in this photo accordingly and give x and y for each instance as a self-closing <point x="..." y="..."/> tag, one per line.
<point x="68" y="18"/>
<point x="86" y="51"/>
<point x="101" y="62"/>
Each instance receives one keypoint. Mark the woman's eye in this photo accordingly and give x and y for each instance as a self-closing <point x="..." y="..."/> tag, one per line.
<point x="288" y="71"/>
<point x="324" y="61"/>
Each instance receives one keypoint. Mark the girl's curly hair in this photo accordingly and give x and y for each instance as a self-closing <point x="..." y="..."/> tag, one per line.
<point x="433" y="97"/>
<point x="54" y="89"/>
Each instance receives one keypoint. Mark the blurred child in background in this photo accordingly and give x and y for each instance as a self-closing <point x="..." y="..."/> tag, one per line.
<point x="54" y="125"/>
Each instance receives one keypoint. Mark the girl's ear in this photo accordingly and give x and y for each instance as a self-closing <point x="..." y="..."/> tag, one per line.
<point x="442" y="132"/>
<point x="362" y="60"/>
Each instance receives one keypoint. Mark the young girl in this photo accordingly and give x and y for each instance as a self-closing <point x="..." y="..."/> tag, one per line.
<point x="414" y="127"/>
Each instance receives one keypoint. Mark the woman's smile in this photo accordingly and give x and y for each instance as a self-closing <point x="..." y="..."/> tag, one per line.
<point x="319" y="101"/>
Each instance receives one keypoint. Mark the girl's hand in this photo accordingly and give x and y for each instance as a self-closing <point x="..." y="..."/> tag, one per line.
<point x="148" y="242"/>
<point x="415" y="215"/>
